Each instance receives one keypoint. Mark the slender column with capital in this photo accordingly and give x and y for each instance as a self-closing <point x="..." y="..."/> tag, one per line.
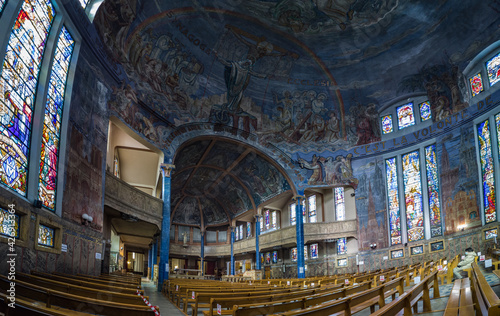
<point x="150" y="262"/>
<point x="232" y="252"/>
<point x="154" y="257"/>
<point x="166" y="170"/>
<point x="300" y="238"/>
<point x="257" y="234"/>
<point x="202" y="254"/>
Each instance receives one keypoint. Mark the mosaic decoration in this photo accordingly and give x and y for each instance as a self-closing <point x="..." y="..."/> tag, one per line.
<point x="314" y="251"/>
<point x="267" y="219"/>
<point x="392" y="195"/>
<point x="341" y="246"/>
<point x="433" y="190"/>
<point x="311" y="201"/>
<point x="275" y="256"/>
<point x="249" y="230"/>
<point x="293" y="217"/>
<point x="305" y="252"/>
<point x="399" y="253"/>
<point x="490" y="233"/>
<point x="9" y="224"/>
<point x="493" y="69"/>
<point x="476" y="84"/>
<point x="45" y="236"/>
<point x="342" y="262"/>
<point x="485" y="154"/>
<point x="425" y="111"/>
<point x="52" y="120"/>
<point x="84" y="3"/>
<point x="294" y="254"/>
<point x="405" y="115"/>
<point x="417" y="250"/>
<point x="18" y="82"/>
<point x="413" y="196"/>
<point x="274" y="221"/>
<point x="268" y="258"/>
<point x="436" y="246"/>
<point x="339" y="204"/>
<point x="387" y="124"/>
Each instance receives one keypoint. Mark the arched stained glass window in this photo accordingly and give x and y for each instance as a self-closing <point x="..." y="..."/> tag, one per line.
<point x="341" y="246"/>
<point x="493" y="69"/>
<point x="405" y="115"/>
<point x="392" y="194"/>
<point x="339" y="204"/>
<point x="413" y="196"/>
<point x="433" y="191"/>
<point x="18" y="82"/>
<point x="52" y="120"/>
<point x="487" y="171"/>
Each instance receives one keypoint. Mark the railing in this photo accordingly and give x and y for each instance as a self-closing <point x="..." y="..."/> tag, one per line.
<point x="123" y="197"/>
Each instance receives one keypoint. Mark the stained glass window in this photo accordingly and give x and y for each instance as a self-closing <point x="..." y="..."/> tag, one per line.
<point x="314" y="251"/>
<point x="84" y="3"/>
<point x="261" y="222"/>
<point x="392" y="189"/>
<point x="9" y="224"/>
<point x="497" y="123"/>
<point x="483" y="133"/>
<point x="433" y="190"/>
<point x="425" y="111"/>
<point x="18" y="82"/>
<point x="305" y="252"/>
<point x="294" y="254"/>
<point x="52" y="121"/>
<point x="405" y="115"/>
<point x="476" y="84"/>
<point x="293" y="217"/>
<point x="493" y="69"/>
<point x="339" y="204"/>
<point x="387" y="124"/>
<point x="241" y="231"/>
<point x="274" y="219"/>
<point x="267" y="219"/>
<point x="341" y="246"/>
<point x="116" y="171"/>
<point x="45" y="236"/>
<point x="304" y="217"/>
<point x="236" y="234"/>
<point x="261" y="258"/>
<point x="275" y="257"/>
<point x="311" y="202"/>
<point x="413" y="196"/>
<point x="268" y="258"/>
<point x="2" y="3"/>
<point x="249" y="230"/>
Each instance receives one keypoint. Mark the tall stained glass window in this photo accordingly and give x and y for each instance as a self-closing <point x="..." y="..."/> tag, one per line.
<point x="314" y="251"/>
<point x="476" y="84"/>
<point x="341" y="246"/>
<point x="488" y="177"/>
<point x="425" y="111"/>
<point x="493" y="69"/>
<point x="249" y="229"/>
<point x="45" y="236"/>
<point x="413" y="196"/>
<point x="9" y="224"/>
<point x="267" y="219"/>
<point x="268" y="258"/>
<point x="305" y="252"/>
<point x="18" y="81"/>
<point x="261" y="223"/>
<point x="241" y="231"/>
<point x="274" y="219"/>
<point x="261" y="258"/>
<point x="405" y="115"/>
<point x="433" y="190"/>
<point x="2" y="3"/>
<point x="294" y="254"/>
<point x="339" y="204"/>
<point x="84" y="3"/>
<point x="52" y="120"/>
<point x="275" y="256"/>
<point x="304" y="217"/>
<point x="387" y="124"/>
<point x="293" y="214"/>
<point x="311" y="202"/>
<point x="392" y="194"/>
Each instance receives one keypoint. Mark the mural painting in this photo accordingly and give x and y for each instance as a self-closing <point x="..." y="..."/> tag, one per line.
<point x="329" y="170"/>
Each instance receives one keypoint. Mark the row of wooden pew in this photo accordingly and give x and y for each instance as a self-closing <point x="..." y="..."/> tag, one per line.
<point x="41" y="293"/>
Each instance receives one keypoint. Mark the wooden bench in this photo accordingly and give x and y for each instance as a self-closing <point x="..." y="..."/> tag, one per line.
<point x="25" y="307"/>
<point x="96" y="280"/>
<point x="485" y="299"/>
<point x="460" y="300"/>
<point x="447" y="272"/>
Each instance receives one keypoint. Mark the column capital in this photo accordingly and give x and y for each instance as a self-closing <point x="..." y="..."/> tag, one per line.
<point x="166" y="169"/>
<point x="298" y="197"/>
<point x="257" y="216"/>
<point x="233" y="228"/>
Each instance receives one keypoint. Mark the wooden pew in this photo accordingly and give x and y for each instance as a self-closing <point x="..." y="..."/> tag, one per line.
<point x="460" y="300"/>
<point x="96" y="280"/>
<point x="485" y="299"/>
<point x="73" y="302"/>
<point x="25" y="307"/>
<point x="447" y="273"/>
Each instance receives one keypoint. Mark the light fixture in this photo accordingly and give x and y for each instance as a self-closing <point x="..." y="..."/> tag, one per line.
<point x="373" y="246"/>
<point x="86" y="219"/>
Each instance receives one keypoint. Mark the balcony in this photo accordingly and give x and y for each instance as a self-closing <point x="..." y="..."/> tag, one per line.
<point x="123" y="197"/>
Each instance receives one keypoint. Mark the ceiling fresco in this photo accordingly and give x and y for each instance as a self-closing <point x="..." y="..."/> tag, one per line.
<point x="224" y="179"/>
<point x="306" y="76"/>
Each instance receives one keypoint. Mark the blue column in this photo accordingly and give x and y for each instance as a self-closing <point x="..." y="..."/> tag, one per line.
<point x="257" y="234"/>
<point x="150" y="262"/>
<point x="202" y="253"/>
<point x="300" y="238"/>
<point x="155" y="252"/>
<point x="232" y="253"/>
<point x="165" y="226"/>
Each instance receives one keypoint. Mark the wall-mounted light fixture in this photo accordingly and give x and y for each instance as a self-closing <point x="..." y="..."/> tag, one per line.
<point x="86" y="219"/>
<point x="373" y="246"/>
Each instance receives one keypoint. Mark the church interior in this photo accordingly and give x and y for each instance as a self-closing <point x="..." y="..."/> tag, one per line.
<point x="258" y="157"/>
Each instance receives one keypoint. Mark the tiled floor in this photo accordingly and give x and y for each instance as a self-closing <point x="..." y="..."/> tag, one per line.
<point x="157" y="299"/>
